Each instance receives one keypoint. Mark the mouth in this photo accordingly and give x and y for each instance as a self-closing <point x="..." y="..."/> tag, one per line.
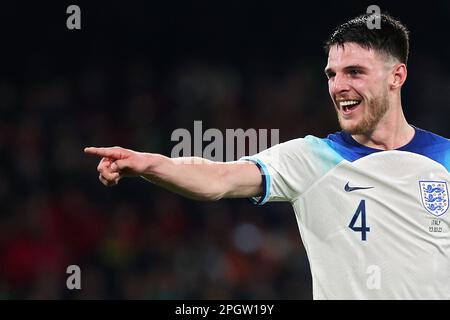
<point x="348" y="106"/>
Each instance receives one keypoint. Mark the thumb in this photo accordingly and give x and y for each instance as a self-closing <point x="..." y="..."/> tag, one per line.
<point x="119" y="165"/>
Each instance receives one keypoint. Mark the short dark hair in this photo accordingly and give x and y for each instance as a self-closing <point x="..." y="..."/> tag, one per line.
<point x="391" y="39"/>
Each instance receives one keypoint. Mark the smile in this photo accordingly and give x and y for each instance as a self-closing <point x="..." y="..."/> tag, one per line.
<point x="348" y="106"/>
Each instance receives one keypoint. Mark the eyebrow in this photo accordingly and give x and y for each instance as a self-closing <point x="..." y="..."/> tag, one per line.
<point x="354" y="66"/>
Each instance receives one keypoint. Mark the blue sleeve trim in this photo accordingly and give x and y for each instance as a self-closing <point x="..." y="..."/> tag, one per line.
<point x="266" y="181"/>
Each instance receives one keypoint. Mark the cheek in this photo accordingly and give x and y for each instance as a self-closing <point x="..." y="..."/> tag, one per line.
<point x="361" y="86"/>
<point x="371" y="87"/>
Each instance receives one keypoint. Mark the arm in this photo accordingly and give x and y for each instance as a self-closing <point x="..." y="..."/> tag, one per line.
<point x="194" y="178"/>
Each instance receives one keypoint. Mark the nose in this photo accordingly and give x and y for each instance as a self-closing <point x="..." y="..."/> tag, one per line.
<point x="339" y="84"/>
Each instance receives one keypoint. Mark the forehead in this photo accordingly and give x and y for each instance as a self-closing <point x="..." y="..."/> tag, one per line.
<point x="352" y="54"/>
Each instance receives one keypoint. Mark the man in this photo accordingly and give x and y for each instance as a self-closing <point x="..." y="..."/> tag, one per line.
<point x="371" y="201"/>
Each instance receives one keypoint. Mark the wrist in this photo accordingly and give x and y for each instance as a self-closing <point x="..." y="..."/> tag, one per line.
<point x="152" y="165"/>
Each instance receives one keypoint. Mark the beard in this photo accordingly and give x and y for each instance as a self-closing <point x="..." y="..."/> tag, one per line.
<point x="373" y="113"/>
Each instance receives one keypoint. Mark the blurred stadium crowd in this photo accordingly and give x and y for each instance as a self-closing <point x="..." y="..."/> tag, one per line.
<point x="136" y="241"/>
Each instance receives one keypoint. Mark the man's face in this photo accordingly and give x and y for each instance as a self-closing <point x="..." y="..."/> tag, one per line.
<point x="357" y="82"/>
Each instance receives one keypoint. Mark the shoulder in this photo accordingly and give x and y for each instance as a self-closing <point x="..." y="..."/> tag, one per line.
<point x="430" y="145"/>
<point x="426" y="138"/>
<point x="312" y="150"/>
<point x="427" y="142"/>
<point x="334" y="148"/>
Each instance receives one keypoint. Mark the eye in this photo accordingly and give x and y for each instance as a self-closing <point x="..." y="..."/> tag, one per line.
<point x="355" y="72"/>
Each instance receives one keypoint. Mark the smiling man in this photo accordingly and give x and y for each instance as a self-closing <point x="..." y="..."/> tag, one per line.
<point x="366" y="70"/>
<point x="371" y="201"/>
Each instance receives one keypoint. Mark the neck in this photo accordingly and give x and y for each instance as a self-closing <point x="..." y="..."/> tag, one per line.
<point x="392" y="132"/>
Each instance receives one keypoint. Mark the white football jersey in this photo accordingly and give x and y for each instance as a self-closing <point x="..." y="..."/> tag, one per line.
<point x="375" y="224"/>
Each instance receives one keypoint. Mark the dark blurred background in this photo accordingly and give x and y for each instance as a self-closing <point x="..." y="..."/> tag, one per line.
<point x="134" y="73"/>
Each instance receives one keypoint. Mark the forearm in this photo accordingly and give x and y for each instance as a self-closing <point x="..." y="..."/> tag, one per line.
<point x="202" y="179"/>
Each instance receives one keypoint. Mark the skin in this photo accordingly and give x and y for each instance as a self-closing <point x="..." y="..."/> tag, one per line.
<point x="353" y="73"/>
<point x="191" y="177"/>
<point x="374" y="78"/>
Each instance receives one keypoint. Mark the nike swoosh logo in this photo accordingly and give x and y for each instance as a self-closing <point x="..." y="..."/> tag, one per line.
<point x="347" y="188"/>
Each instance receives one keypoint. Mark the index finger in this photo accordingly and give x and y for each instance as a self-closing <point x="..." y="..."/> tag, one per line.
<point x="104" y="152"/>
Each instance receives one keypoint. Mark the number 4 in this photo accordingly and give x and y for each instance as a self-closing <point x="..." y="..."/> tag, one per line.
<point x="363" y="228"/>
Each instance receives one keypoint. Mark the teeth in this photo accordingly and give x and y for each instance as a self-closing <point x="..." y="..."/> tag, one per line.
<point x="347" y="103"/>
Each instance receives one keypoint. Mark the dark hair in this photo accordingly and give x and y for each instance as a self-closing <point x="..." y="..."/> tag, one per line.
<point x="391" y="39"/>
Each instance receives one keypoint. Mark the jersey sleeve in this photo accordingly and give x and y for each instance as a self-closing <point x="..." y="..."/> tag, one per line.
<point x="290" y="168"/>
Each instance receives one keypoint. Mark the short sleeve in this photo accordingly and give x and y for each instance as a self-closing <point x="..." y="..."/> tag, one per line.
<point x="289" y="168"/>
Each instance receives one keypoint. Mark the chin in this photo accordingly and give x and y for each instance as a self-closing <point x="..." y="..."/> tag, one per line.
<point x="348" y="125"/>
<point x="353" y="127"/>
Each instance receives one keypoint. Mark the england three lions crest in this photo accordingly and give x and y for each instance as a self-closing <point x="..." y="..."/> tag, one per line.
<point x="434" y="196"/>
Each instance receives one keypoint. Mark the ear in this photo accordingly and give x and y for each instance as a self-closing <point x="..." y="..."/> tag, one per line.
<point x="399" y="74"/>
